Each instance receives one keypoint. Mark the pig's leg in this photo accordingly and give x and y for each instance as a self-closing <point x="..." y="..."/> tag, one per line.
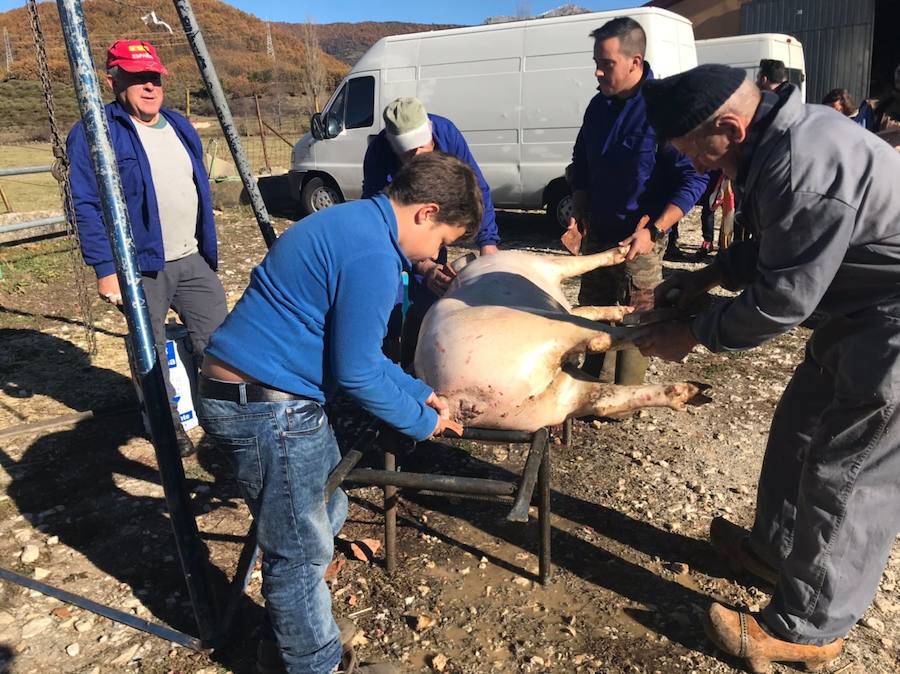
<point x="614" y="314"/>
<point x="574" y="393"/>
<point x="567" y="266"/>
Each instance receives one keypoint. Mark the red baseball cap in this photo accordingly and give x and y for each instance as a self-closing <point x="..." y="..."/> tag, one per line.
<point x="134" y="56"/>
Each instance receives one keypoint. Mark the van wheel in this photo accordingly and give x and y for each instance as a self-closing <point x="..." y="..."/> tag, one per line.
<point x="317" y="195"/>
<point x="560" y="207"/>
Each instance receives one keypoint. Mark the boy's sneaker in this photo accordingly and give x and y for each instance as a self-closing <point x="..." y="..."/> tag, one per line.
<point x="268" y="655"/>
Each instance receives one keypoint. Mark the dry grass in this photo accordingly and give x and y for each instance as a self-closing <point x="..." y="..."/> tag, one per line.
<point x="32" y="192"/>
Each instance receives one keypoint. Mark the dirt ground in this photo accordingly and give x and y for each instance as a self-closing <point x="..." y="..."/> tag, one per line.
<point x="81" y="508"/>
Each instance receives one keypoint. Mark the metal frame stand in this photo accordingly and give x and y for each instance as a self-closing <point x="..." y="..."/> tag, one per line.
<point x="535" y="473"/>
<point x="213" y="620"/>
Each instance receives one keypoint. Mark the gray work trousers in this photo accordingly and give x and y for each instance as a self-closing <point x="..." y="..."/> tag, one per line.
<point x="194" y="291"/>
<point x="828" y="502"/>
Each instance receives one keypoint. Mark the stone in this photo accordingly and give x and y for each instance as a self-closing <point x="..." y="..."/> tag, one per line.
<point x="62" y="612"/>
<point x="83" y="626"/>
<point x="30" y="554"/>
<point x="873" y="624"/>
<point x="40" y="573"/>
<point x="72" y="650"/>
<point x="53" y="540"/>
<point x="6" y="618"/>
<point x="34" y="627"/>
<point x="439" y="662"/>
<point x="127" y="655"/>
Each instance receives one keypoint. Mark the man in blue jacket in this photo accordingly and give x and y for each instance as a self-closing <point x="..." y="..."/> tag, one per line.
<point x="160" y="161"/>
<point x="410" y="131"/>
<point x="311" y="323"/>
<point x="626" y="188"/>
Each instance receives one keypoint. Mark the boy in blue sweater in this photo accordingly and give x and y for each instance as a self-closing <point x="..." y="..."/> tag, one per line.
<point x="312" y="322"/>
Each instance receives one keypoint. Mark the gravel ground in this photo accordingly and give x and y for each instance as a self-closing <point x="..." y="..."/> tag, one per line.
<point x="81" y="508"/>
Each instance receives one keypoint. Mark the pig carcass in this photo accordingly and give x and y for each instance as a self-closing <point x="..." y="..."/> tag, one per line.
<point x="500" y="346"/>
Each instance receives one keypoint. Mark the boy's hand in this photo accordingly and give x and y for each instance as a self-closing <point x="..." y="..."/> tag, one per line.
<point x="439" y="405"/>
<point x="447" y="425"/>
<point x="437" y="276"/>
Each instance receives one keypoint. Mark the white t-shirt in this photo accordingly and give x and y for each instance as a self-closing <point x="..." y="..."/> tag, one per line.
<point x="176" y="193"/>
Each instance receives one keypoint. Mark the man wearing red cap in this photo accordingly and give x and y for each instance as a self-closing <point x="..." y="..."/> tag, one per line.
<point x="160" y="161"/>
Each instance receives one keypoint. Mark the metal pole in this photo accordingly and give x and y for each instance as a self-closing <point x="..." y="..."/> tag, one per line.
<point x="190" y="548"/>
<point x="30" y="224"/>
<point x="214" y="87"/>
<point x="23" y="170"/>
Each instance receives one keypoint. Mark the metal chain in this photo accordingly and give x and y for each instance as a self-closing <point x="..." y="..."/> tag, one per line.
<point x="60" y="171"/>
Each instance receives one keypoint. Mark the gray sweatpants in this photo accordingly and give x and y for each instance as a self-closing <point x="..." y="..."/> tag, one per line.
<point x="194" y="291"/>
<point x="828" y="502"/>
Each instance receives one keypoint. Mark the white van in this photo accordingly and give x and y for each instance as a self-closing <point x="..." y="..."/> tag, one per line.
<point x="517" y="91"/>
<point x="746" y="51"/>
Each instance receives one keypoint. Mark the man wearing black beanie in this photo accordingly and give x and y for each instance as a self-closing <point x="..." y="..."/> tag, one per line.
<point x="819" y="197"/>
<point x="627" y="188"/>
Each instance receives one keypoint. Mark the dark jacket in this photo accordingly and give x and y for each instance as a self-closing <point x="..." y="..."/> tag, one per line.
<point x="819" y="195"/>
<point x="380" y="164"/>
<point x="140" y="195"/>
<point x="625" y="172"/>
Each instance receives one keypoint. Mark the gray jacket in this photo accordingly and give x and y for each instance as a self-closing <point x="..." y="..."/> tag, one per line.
<point x="822" y="199"/>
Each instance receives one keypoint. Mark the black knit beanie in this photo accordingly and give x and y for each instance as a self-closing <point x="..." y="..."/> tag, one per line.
<point x="678" y="104"/>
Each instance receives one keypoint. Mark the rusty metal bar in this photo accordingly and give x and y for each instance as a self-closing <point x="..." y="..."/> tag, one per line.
<point x="544" y="564"/>
<point x="463" y="485"/>
<point x="536" y="456"/>
<point x="155" y="629"/>
<point x="24" y="170"/>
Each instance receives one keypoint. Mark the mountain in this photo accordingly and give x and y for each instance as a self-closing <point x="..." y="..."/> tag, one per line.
<point x="235" y="39"/>
<point x="563" y="10"/>
<point x="348" y="41"/>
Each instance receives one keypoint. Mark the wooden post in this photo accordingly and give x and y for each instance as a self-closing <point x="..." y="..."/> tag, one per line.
<point x="262" y="134"/>
<point x="187" y="102"/>
<point x="5" y="201"/>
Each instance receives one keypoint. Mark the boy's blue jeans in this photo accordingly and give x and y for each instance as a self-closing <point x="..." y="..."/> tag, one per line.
<point x="281" y="454"/>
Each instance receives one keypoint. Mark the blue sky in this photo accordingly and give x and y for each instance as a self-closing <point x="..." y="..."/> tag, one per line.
<point x="457" y="11"/>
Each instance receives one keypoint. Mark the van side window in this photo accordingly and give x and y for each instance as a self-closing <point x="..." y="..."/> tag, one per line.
<point x="334" y="116"/>
<point x="360" y="111"/>
<point x="795" y="76"/>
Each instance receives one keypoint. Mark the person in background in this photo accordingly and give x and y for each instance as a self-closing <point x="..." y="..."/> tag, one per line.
<point x="772" y="75"/>
<point x="886" y="115"/>
<point x="629" y="188"/>
<point x="160" y="162"/>
<point x="410" y="131"/>
<point x="842" y="101"/>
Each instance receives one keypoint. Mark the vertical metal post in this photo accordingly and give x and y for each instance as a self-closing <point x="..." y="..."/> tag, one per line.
<point x="544" y="568"/>
<point x="191" y="550"/>
<point x="214" y="87"/>
<point x="390" y="511"/>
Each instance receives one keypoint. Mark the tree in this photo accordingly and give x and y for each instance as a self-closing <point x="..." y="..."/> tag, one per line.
<point x="315" y="75"/>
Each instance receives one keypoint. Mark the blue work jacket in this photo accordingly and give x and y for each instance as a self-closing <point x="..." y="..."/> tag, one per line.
<point x="625" y="171"/>
<point x="380" y="164"/>
<point x="140" y="195"/>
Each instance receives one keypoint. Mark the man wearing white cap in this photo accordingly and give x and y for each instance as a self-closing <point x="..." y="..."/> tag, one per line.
<point x="409" y="130"/>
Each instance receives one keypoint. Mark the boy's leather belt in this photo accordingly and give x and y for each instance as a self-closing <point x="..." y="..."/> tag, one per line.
<point x="215" y="389"/>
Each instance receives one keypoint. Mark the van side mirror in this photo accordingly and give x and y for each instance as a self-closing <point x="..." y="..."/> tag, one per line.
<point x="333" y="125"/>
<point x="316" y="128"/>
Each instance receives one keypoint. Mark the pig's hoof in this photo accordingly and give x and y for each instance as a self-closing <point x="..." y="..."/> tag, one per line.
<point x="699" y="397"/>
<point x="687" y="393"/>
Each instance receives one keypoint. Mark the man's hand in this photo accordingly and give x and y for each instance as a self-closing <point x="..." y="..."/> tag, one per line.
<point x="640" y="242"/>
<point x="683" y="290"/>
<point x="669" y="341"/>
<point x="437" y="276"/>
<point x="108" y="289"/>
<point x="489" y="249"/>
